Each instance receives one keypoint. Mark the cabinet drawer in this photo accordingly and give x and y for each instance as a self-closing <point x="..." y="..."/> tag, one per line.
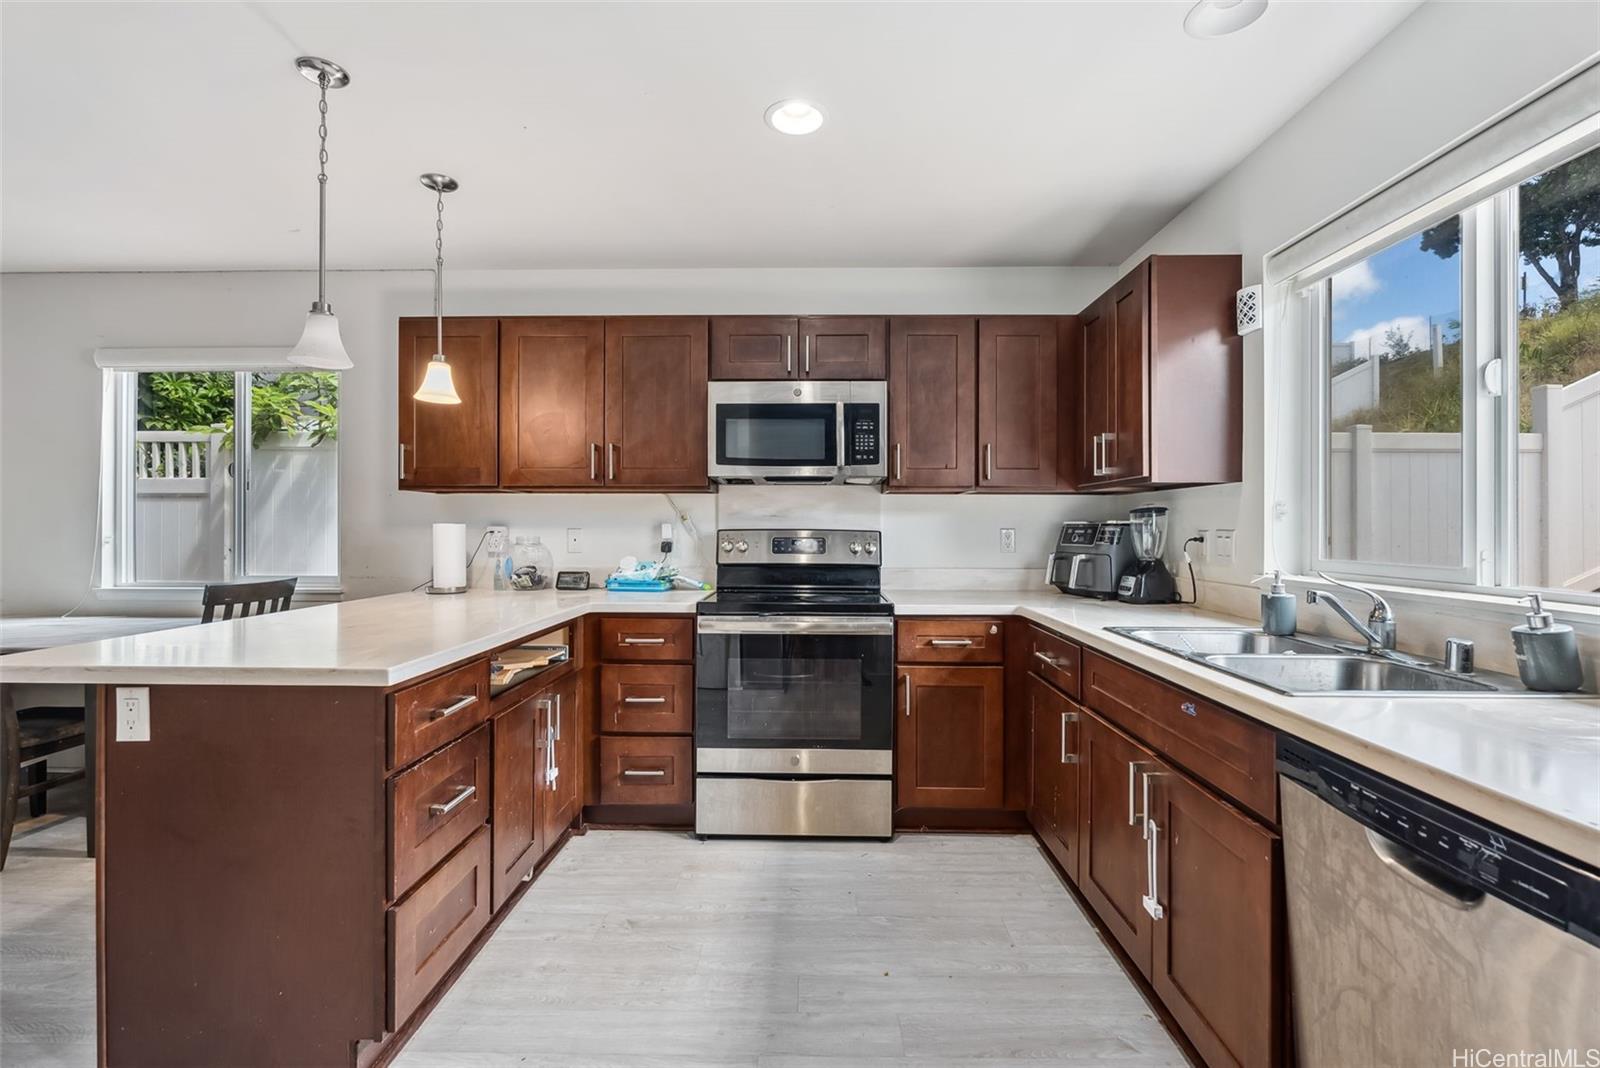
<point x="949" y="641"/>
<point x="1226" y="750"/>
<point x="646" y="638"/>
<point x="434" y="806"/>
<point x="646" y="771"/>
<point x="647" y="698"/>
<point x="430" y="714"/>
<point x="429" y="930"/>
<point x="1055" y="660"/>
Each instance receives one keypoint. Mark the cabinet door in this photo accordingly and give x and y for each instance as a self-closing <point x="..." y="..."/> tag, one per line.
<point x="515" y="824"/>
<point x="1057" y="738"/>
<point x="1127" y="452"/>
<point x="933" y="381"/>
<point x="552" y="402"/>
<point x="450" y="446"/>
<point x="1017" y="403"/>
<point x="951" y="741"/>
<point x="843" y="347"/>
<point x="1111" y="861"/>
<point x="1214" y="874"/>
<point x="656" y="403"/>
<point x="754" y="347"/>
<point x="1044" y="768"/>
<point x="1094" y="415"/>
<point x="567" y="728"/>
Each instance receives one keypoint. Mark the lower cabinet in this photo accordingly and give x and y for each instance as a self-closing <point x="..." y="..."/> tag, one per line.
<point x="1111" y="862"/>
<point x="515" y="823"/>
<point x="950" y="737"/>
<point x="556" y="761"/>
<point x="435" y="924"/>
<point x="1054" y="737"/>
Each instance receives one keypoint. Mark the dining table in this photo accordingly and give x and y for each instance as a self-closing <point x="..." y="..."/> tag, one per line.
<point x="25" y="633"/>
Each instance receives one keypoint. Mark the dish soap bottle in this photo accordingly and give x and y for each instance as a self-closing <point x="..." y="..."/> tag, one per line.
<point x="1547" y="652"/>
<point x="1277" y="607"/>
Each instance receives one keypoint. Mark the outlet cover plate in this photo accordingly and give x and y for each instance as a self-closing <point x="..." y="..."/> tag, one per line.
<point x="1008" y="539"/>
<point x="133" y="713"/>
<point x="574" y="539"/>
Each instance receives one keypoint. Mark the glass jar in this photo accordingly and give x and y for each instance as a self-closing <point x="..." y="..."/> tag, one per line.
<point x="532" y="565"/>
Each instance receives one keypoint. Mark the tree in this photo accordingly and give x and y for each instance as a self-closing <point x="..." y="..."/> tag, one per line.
<point x="1396" y="343"/>
<point x="1560" y="215"/>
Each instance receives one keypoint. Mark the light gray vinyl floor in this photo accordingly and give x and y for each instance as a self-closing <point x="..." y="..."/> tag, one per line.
<point x="653" y="950"/>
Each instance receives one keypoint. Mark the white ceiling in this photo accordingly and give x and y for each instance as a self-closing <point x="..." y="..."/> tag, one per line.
<point x="178" y="135"/>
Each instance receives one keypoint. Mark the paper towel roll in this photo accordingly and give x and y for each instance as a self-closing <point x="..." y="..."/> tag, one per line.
<point x="449" y="556"/>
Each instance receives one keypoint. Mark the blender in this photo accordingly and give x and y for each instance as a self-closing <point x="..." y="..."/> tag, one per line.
<point x="1148" y="581"/>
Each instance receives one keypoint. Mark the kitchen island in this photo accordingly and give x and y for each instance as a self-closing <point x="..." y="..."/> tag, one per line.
<point x="307" y="849"/>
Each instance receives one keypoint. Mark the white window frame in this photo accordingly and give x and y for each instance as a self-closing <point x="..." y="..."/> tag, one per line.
<point x="1490" y="257"/>
<point x="118" y="487"/>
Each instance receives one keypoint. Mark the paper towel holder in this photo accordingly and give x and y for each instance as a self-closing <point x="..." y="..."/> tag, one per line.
<point x="431" y="588"/>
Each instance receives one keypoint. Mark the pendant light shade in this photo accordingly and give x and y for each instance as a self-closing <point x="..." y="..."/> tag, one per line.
<point x="320" y="345"/>
<point x="438" y="387"/>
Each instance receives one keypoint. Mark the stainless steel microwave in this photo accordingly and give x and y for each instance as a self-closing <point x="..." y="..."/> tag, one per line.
<point x="817" y="433"/>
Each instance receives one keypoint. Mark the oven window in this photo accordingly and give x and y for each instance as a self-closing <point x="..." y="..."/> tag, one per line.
<point x="789" y="435"/>
<point x="780" y="691"/>
<point x="793" y="699"/>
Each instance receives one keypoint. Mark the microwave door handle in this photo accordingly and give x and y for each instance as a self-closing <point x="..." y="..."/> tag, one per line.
<point x="788" y="354"/>
<point x="838" y="427"/>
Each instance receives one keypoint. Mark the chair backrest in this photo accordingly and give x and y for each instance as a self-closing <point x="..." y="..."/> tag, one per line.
<point x="268" y="595"/>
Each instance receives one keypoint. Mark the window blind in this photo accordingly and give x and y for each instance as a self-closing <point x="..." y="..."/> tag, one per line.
<point x="196" y="359"/>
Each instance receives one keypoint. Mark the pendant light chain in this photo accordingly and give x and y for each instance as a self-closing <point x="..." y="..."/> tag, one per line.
<point x="322" y="192"/>
<point x="438" y="272"/>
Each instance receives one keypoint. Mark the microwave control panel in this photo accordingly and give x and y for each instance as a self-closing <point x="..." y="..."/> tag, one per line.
<point x="862" y="435"/>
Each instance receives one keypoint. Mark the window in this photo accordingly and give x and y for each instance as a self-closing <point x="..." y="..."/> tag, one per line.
<point x="1457" y="401"/>
<point x="187" y="500"/>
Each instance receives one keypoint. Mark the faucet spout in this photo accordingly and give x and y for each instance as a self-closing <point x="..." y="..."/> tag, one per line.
<point x="1379" y="638"/>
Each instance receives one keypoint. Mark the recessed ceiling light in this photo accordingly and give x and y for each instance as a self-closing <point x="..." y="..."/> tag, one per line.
<point x="1214" y="18"/>
<point x="794" y="117"/>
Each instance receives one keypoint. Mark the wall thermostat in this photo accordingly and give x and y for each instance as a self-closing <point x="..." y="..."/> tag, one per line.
<point x="572" y="580"/>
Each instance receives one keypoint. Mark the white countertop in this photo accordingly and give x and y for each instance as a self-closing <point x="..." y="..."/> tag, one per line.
<point x="1531" y="764"/>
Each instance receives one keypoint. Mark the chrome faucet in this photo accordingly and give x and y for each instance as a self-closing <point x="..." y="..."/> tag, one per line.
<point x="1378" y="630"/>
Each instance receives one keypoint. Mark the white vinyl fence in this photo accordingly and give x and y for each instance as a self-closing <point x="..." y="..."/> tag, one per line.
<point x="183" y="501"/>
<point x="1396" y="498"/>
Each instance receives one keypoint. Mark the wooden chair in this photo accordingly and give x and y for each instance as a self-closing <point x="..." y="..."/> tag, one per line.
<point x="27" y="736"/>
<point x="268" y="595"/>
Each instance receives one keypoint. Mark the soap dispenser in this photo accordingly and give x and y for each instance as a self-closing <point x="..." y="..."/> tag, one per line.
<point x="1277" y="606"/>
<point x="1547" y="652"/>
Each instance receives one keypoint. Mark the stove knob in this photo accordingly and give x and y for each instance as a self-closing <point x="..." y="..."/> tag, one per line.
<point x="742" y="545"/>
<point x="872" y="547"/>
<point x="855" y="548"/>
<point x="726" y="546"/>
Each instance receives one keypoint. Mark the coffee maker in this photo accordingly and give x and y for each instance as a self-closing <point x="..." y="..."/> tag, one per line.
<point x="1148" y="581"/>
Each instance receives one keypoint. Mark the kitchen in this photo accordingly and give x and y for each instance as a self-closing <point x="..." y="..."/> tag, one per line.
<point x="967" y="679"/>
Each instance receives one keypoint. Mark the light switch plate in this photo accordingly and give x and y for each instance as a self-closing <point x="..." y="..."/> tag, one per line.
<point x="133" y="713"/>
<point x="574" y="539"/>
<point x="1222" y="546"/>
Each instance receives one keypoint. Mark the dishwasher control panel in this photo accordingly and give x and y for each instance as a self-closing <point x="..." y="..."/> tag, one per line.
<point x="1470" y="850"/>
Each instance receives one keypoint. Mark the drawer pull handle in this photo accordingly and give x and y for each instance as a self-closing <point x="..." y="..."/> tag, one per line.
<point x="454" y="803"/>
<point x="1189" y="709"/>
<point x="1047" y="658"/>
<point x="640" y="773"/>
<point x="451" y="709"/>
<point x="644" y="641"/>
<point x="949" y="643"/>
<point x="644" y="700"/>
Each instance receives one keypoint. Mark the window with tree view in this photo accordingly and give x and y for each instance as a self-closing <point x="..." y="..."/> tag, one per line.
<point x="1466" y="447"/>
<point x="192" y="500"/>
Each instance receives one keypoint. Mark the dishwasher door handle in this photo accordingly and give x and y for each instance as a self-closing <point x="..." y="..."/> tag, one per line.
<point x="1411" y="867"/>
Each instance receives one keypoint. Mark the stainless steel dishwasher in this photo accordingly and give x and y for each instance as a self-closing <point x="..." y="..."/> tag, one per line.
<point x="1420" y="935"/>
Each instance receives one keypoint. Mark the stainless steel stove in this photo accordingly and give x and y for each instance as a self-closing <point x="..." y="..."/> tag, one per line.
<point x="794" y="687"/>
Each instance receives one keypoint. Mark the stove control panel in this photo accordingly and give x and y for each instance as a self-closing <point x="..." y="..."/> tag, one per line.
<point x="803" y="547"/>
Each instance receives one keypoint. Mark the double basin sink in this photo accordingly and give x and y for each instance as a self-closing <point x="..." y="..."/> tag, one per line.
<point x="1304" y="666"/>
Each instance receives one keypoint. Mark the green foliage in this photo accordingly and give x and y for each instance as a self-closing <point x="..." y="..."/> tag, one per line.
<point x="295" y="402"/>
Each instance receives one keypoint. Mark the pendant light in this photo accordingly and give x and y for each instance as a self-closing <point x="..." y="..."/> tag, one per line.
<point x="437" y="386"/>
<point x="320" y="345"/>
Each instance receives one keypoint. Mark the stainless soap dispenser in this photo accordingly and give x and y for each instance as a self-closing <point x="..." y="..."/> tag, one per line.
<point x="1547" y="652"/>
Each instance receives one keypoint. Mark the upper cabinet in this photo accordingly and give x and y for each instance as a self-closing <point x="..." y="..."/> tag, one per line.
<point x="933" y="383"/>
<point x="834" y="347"/>
<point x="552" y="402"/>
<point x="1160" y="401"/>
<point x="655" y="419"/>
<point x="450" y="446"/>
<point x="1017" y="426"/>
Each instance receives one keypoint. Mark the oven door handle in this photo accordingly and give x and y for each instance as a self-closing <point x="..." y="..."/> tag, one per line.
<point x="842" y="625"/>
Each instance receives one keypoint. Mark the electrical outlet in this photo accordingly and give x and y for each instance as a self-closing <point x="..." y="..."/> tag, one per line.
<point x="133" y="713"/>
<point x="574" y="540"/>
<point x="496" y="539"/>
<point x="1221" y="542"/>
<point x="1008" y="539"/>
<point x="1202" y="548"/>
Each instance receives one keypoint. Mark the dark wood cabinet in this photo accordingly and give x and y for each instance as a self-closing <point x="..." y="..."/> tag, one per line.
<point x="1161" y="398"/>
<point x="1017" y="394"/>
<point x="755" y="347"/>
<point x="557" y="774"/>
<point x="1054" y="741"/>
<point x="516" y="839"/>
<point x="843" y="347"/>
<point x="1111" y="862"/>
<point x="950" y="738"/>
<point x="450" y="446"/>
<point x="1215" y="876"/>
<point x="655" y="407"/>
<point x="933" y="382"/>
<point x="552" y="403"/>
